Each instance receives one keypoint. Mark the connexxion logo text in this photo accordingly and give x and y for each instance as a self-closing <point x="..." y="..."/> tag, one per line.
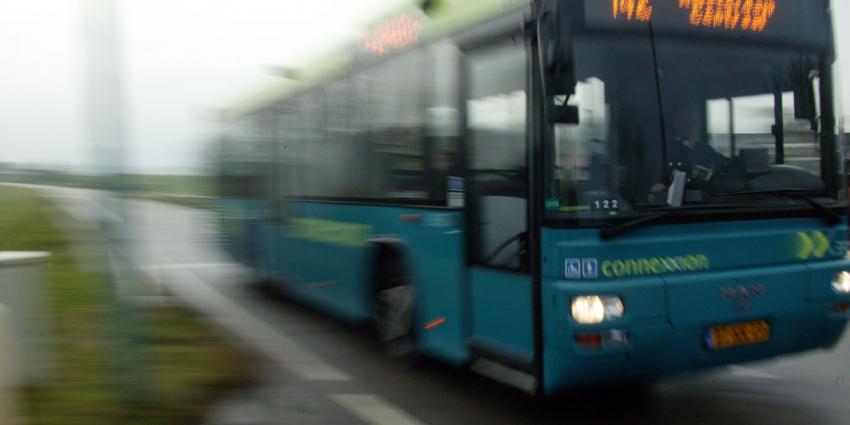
<point x="656" y="265"/>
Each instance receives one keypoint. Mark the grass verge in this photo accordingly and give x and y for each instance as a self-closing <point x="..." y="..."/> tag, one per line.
<point x="187" y="364"/>
<point x="192" y="185"/>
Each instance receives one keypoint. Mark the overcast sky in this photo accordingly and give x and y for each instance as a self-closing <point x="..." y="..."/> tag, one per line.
<point x="182" y="59"/>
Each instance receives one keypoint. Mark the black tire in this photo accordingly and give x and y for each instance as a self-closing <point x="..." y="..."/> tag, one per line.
<point x="395" y="309"/>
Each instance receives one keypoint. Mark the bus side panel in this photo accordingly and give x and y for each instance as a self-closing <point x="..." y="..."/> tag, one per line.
<point x="316" y="261"/>
<point x="502" y="313"/>
<point x="325" y="256"/>
<point x="238" y="222"/>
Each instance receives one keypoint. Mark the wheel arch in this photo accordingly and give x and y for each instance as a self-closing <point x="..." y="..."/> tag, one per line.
<point x="389" y="251"/>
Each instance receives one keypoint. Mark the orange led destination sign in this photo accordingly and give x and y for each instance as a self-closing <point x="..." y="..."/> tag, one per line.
<point x="637" y="10"/>
<point x="802" y="23"/>
<point x="746" y="15"/>
<point x="393" y="34"/>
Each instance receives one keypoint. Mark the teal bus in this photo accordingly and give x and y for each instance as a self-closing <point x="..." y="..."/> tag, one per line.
<point x="557" y="193"/>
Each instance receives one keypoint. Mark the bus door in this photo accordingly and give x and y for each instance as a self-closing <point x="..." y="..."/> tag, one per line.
<point x="497" y="200"/>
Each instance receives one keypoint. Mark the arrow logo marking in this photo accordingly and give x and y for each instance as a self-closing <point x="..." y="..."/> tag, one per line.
<point x="811" y="244"/>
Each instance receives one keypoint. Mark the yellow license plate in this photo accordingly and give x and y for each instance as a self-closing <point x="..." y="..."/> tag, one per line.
<point x="738" y="334"/>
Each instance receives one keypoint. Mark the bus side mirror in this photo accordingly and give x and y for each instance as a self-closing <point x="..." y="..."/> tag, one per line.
<point x="556" y="51"/>
<point x="805" y="94"/>
<point x="563" y="114"/>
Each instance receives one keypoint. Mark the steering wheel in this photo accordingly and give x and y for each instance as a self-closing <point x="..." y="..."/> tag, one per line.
<point x="522" y="238"/>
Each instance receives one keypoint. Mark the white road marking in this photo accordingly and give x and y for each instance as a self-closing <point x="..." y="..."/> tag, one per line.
<point x="504" y="374"/>
<point x="374" y="410"/>
<point x="272" y="343"/>
<point x="747" y="372"/>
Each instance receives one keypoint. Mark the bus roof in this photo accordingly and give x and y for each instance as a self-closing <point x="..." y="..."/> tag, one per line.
<point x="443" y="17"/>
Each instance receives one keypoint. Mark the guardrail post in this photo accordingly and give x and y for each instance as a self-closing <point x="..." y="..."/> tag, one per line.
<point x="21" y="292"/>
<point x="8" y="405"/>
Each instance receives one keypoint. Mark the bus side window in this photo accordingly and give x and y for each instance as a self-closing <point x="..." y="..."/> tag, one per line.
<point x="395" y="138"/>
<point x="245" y="167"/>
<point x="442" y="120"/>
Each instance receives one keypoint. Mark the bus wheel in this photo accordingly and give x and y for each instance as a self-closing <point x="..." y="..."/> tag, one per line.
<point x="395" y="311"/>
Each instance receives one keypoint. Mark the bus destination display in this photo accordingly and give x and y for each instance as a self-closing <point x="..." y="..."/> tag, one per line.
<point x="776" y="20"/>
<point x="746" y="15"/>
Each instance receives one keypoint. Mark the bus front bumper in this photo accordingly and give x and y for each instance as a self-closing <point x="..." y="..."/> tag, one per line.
<point x="651" y="347"/>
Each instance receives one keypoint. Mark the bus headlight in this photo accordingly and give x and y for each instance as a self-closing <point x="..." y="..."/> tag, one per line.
<point x="841" y="283"/>
<point x="594" y="309"/>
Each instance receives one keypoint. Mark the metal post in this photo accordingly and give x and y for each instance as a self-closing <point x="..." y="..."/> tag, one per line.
<point x="733" y="142"/>
<point x="8" y="405"/>
<point x="107" y="127"/>
<point x="779" y="126"/>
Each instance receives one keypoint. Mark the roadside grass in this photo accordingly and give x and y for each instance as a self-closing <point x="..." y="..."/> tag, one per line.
<point x="194" y="191"/>
<point x="187" y="364"/>
<point x="193" y="185"/>
<point x="172" y="184"/>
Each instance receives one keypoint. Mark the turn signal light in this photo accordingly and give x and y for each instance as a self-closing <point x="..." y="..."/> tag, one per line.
<point x="589" y="340"/>
<point x="596" y="340"/>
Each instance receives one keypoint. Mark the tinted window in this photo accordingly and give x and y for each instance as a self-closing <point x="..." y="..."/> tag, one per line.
<point x="387" y="131"/>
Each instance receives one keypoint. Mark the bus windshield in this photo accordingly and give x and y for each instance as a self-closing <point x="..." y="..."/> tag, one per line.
<point x="731" y="122"/>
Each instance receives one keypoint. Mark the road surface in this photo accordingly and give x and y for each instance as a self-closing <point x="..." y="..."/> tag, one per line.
<point x="321" y="371"/>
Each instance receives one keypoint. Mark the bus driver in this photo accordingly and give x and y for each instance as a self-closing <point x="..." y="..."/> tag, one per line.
<point x="690" y="153"/>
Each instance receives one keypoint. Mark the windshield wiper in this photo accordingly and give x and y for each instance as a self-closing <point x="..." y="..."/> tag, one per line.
<point x="829" y="215"/>
<point x="612" y="232"/>
<point x="661" y="119"/>
<point x="653" y="216"/>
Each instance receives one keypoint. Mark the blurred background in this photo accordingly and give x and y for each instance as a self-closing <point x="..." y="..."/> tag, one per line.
<point x="135" y="88"/>
<point x="180" y="62"/>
